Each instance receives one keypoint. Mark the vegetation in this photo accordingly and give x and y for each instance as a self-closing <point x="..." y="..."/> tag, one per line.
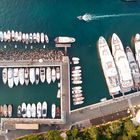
<point x="117" y="130"/>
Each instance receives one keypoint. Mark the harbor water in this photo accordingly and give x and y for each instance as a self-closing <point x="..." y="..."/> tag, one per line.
<point x="59" y="18"/>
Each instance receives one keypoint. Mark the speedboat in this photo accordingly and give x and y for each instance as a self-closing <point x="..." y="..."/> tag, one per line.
<point x="10" y="78"/>
<point x="37" y="75"/>
<point x="33" y="110"/>
<point x="16" y="36"/>
<point x="28" y="112"/>
<point x="10" y="110"/>
<point x="77" y="88"/>
<point x="58" y="93"/>
<point x="1" y="110"/>
<point x="23" y="37"/>
<point x="16" y="78"/>
<point x="78" y="99"/>
<point x="4" y="36"/>
<point x="26" y="76"/>
<point x="75" y="60"/>
<point x="77" y="82"/>
<point x="76" y="67"/>
<point x="1" y="36"/>
<point x="64" y="40"/>
<point x="39" y="109"/>
<point x="26" y="38"/>
<point x="34" y="37"/>
<point x="42" y="75"/>
<point x="42" y="37"/>
<point x="8" y="36"/>
<point x="53" y="74"/>
<point x="134" y="67"/>
<point x="19" y="36"/>
<point x="37" y="37"/>
<point x="76" y="71"/>
<point x="53" y="110"/>
<point x="76" y="74"/>
<point x="86" y="17"/>
<point x="77" y="95"/>
<point x="77" y="91"/>
<point x="21" y="75"/>
<point x="76" y="78"/>
<point x="19" y="111"/>
<point x="57" y="73"/>
<point x="108" y="66"/>
<point x="78" y="102"/>
<point x="32" y="75"/>
<point x="46" y="39"/>
<point x="5" y="113"/>
<point x="30" y="37"/>
<point x="48" y="75"/>
<point x="23" y="110"/>
<point x="13" y="35"/>
<point x="44" y="109"/>
<point x="4" y="75"/>
<point x="125" y="77"/>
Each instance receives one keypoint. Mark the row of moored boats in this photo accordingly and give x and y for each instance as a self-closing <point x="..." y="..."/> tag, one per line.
<point x="120" y="68"/>
<point x="23" y="37"/>
<point x="6" y="110"/>
<point x="14" y="76"/>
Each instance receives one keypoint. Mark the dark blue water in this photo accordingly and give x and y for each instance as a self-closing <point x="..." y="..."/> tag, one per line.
<point x="57" y="18"/>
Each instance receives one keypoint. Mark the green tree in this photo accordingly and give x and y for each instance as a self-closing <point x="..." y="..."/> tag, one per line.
<point x="93" y="133"/>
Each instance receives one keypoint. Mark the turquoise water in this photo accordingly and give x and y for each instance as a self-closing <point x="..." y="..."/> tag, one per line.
<point x="59" y="18"/>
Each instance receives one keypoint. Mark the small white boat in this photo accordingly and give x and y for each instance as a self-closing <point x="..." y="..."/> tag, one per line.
<point x="46" y="39"/>
<point x="4" y="75"/>
<point x="16" y="36"/>
<point x="28" y="112"/>
<point x="1" y="36"/>
<point x="53" y="110"/>
<point x="57" y="73"/>
<point x="19" y="111"/>
<point x="16" y="78"/>
<point x="76" y="71"/>
<point x="39" y="110"/>
<point x="44" y="109"/>
<point x="76" y="67"/>
<point x="8" y="35"/>
<point x="78" y="99"/>
<point x="13" y="35"/>
<point x="64" y="39"/>
<point x="42" y="37"/>
<point x="33" y="110"/>
<point x="32" y="75"/>
<point x="77" y="91"/>
<point x="77" y="88"/>
<point x="86" y="17"/>
<point x="78" y="103"/>
<point x="77" y="95"/>
<point x="38" y="38"/>
<point x="19" y="36"/>
<point x="30" y="37"/>
<point x="53" y="74"/>
<point x="23" y="37"/>
<point x="76" y="78"/>
<point x="21" y="75"/>
<point x="26" y="38"/>
<point x="42" y="75"/>
<point x="58" y="93"/>
<point x="10" y="110"/>
<point x="77" y="82"/>
<point x="26" y="76"/>
<point x="5" y="113"/>
<point x="37" y="75"/>
<point x="75" y="59"/>
<point x="23" y="109"/>
<point x="48" y="75"/>
<point x="4" y="36"/>
<point x="76" y="74"/>
<point x="10" y="78"/>
<point x="34" y="37"/>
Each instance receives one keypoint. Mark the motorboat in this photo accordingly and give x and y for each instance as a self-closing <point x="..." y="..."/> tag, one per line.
<point x="86" y="17"/>
<point x="8" y="36"/>
<point x="134" y="67"/>
<point x="23" y="110"/>
<point x="44" y="109"/>
<point x="16" y="78"/>
<point x="19" y="111"/>
<point x="77" y="95"/>
<point x="53" y="110"/>
<point x="10" y="110"/>
<point x="76" y="71"/>
<point x="5" y="111"/>
<point x="53" y="75"/>
<point x="19" y="36"/>
<point x="48" y="75"/>
<point x="76" y="74"/>
<point x="42" y="37"/>
<point x="78" y="99"/>
<point x="125" y="77"/>
<point x="34" y="37"/>
<point x="75" y="60"/>
<point x="46" y="39"/>
<point x="64" y="40"/>
<point x="26" y="38"/>
<point x="23" y="37"/>
<point x="21" y="75"/>
<point x="77" y="88"/>
<point x="77" y="91"/>
<point x="37" y="75"/>
<point x="1" y="110"/>
<point x="57" y="73"/>
<point x="33" y="110"/>
<point x="13" y="35"/>
<point x="77" y="82"/>
<point x="76" y="67"/>
<point x="10" y="78"/>
<point x="30" y="37"/>
<point x="39" y="110"/>
<point x="32" y="75"/>
<point x="16" y="36"/>
<point x="58" y="93"/>
<point x="4" y="75"/>
<point x="76" y="78"/>
<point x="26" y="76"/>
<point x="78" y="102"/>
<point x="42" y="75"/>
<point x="5" y="36"/>
<point x="109" y="67"/>
<point x="28" y="112"/>
<point x="37" y="37"/>
<point x="1" y="36"/>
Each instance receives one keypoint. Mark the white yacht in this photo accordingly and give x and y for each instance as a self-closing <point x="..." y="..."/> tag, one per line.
<point x="33" y="110"/>
<point x="76" y="68"/>
<point x="46" y="39"/>
<point x="21" y="75"/>
<point x="13" y="35"/>
<point x="30" y="37"/>
<point x="37" y="75"/>
<point x="32" y="75"/>
<point x="1" y="36"/>
<point x="19" y="36"/>
<point x="64" y="39"/>
<point x="108" y="66"/>
<point x="77" y="88"/>
<point x="42" y="37"/>
<point x="57" y="73"/>
<point x="58" y="93"/>
<point x="8" y="36"/>
<point x="23" y="37"/>
<point x="16" y="36"/>
<point x="26" y="76"/>
<point x="16" y="76"/>
<point x="48" y="75"/>
<point x="28" y="112"/>
<point x="10" y="78"/>
<point x="39" y="110"/>
<point x="77" y="82"/>
<point x="76" y="71"/>
<point x="77" y="99"/>
<point x="78" y="102"/>
<point x="26" y="38"/>
<point x="4" y="75"/>
<point x="137" y="48"/>
<point x="37" y="37"/>
<point x="44" y="109"/>
<point x="19" y="111"/>
<point x="5" y="110"/>
<point x="23" y="110"/>
<point x="76" y="78"/>
<point x="53" y="110"/>
<point x="42" y="75"/>
<point x="76" y="74"/>
<point x="77" y="91"/>
<point x="75" y="60"/>
<point x="53" y="75"/>
<point x="77" y="95"/>
<point x="125" y="77"/>
<point x="86" y="17"/>
<point x="4" y="36"/>
<point x="34" y="37"/>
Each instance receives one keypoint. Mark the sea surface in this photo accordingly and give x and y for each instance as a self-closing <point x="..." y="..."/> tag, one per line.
<point x="59" y="18"/>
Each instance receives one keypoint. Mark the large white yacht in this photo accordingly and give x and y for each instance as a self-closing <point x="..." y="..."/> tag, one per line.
<point x="64" y="39"/>
<point x="108" y="66"/>
<point x="125" y="77"/>
<point x="10" y="78"/>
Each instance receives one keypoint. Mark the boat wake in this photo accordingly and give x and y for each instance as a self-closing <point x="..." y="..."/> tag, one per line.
<point x="89" y="17"/>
